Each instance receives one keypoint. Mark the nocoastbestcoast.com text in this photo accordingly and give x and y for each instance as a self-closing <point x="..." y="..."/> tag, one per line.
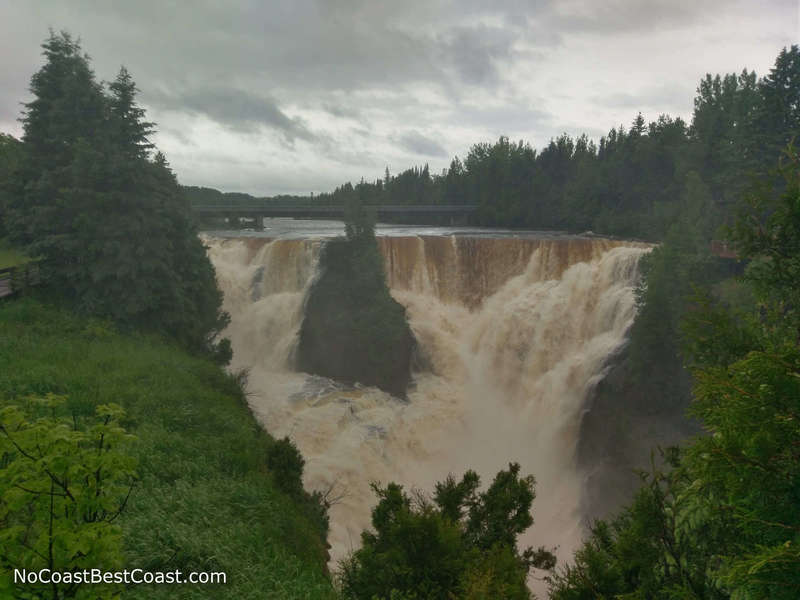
<point x="128" y="577"/>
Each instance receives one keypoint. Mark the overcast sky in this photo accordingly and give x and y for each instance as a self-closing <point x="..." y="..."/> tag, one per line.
<point x="301" y="95"/>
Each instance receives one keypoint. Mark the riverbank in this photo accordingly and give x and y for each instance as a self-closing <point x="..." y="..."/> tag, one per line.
<point x="204" y="500"/>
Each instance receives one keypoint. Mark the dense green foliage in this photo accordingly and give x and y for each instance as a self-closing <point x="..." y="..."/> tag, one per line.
<point x="62" y="486"/>
<point x="286" y="465"/>
<point x="10" y="154"/>
<point x="724" y="522"/>
<point x="671" y="274"/>
<point x="108" y="220"/>
<point x="655" y="548"/>
<point x="205" y="498"/>
<point x="768" y="231"/>
<point x="11" y="256"/>
<point x="732" y="141"/>
<point x="459" y="544"/>
<point x="352" y="329"/>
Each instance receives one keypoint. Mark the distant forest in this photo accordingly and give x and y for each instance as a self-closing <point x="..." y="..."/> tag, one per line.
<point x="632" y="182"/>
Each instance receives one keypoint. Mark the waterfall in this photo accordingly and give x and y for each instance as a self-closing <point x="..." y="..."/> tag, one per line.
<point x="514" y="331"/>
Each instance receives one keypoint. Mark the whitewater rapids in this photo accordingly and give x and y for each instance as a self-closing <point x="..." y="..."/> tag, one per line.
<point x="514" y="331"/>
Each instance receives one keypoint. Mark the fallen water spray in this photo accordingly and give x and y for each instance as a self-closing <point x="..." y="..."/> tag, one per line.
<point x="514" y="331"/>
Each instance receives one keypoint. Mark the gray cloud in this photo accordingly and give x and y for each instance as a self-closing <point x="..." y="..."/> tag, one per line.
<point x="10" y="106"/>
<point x="633" y="16"/>
<point x="510" y="118"/>
<point x="666" y="97"/>
<point x="343" y="112"/>
<point x="322" y="91"/>
<point x="477" y="53"/>
<point x="238" y="109"/>
<point x="415" y="142"/>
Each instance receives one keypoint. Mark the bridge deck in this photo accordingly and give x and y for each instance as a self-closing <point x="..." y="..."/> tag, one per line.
<point x="265" y="210"/>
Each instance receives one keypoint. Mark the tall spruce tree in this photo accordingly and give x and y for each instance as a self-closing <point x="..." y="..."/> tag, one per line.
<point x="109" y="221"/>
<point x="778" y="115"/>
<point x="67" y="112"/>
<point x="10" y="154"/>
<point x="128" y="127"/>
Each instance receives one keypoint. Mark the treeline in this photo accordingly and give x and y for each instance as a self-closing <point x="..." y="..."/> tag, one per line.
<point x="731" y="149"/>
<point x="632" y="182"/>
<point x="722" y="518"/>
<point x="87" y="193"/>
<point x="205" y="195"/>
<point x="718" y="518"/>
<point x="457" y="542"/>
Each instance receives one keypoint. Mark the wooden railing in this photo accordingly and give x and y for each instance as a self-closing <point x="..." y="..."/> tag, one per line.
<point x="14" y="280"/>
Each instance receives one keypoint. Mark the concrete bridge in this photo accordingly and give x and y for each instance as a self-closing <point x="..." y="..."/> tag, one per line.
<point x="453" y="214"/>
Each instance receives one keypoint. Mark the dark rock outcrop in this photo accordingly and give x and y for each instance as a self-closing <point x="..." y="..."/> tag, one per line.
<point x="353" y="330"/>
<point x="628" y="416"/>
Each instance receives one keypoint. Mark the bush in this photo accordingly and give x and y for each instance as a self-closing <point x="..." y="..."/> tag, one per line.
<point x="62" y="488"/>
<point x="286" y="465"/>
<point x="460" y="544"/>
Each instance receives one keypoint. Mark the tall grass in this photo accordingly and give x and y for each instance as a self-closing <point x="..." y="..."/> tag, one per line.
<point x="205" y="500"/>
<point x="10" y="256"/>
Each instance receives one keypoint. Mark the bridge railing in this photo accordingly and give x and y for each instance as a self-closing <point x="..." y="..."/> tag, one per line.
<point x="284" y="208"/>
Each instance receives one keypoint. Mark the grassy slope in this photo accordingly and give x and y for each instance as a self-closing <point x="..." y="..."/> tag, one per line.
<point x="205" y="501"/>
<point x="10" y="257"/>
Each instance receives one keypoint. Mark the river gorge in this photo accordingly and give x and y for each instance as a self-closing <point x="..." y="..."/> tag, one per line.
<point x="513" y="330"/>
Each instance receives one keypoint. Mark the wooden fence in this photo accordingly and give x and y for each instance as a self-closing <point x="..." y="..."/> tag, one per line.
<point x="14" y="280"/>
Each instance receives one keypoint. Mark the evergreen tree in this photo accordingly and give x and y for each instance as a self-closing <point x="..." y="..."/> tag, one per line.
<point x="111" y="224"/>
<point x="724" y="522"/>
<point x="460" y="544"/>
<point x="359" y="219"/>
<point x="128" y="128"/>
<point x="778" y="114"/>
<point x="10" y="156"/>
<point x="66" y="114"/>
<point x="768" y="231"/>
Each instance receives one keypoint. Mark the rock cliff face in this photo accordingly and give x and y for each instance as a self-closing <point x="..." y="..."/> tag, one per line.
<point x="628" y="416"/>
<point x="353" y="330"/>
